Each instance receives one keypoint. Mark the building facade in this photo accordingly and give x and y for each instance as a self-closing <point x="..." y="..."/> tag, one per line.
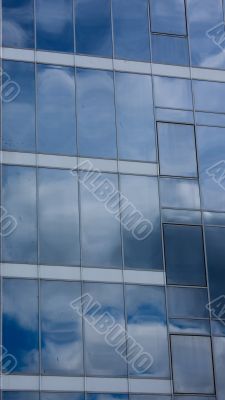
<point x="112" y="200"/>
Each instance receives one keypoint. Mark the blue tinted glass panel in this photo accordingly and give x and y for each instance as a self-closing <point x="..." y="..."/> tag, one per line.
<point x="55" y="25"/>
<point x="192" y="364"/>
<point x="148" y="397"/>
<point x="212" y="218"/>
<point x="99" y="347"/>
<point x="18" y="23"/>
<point x="194" y="398"/>
<point x="170" y="50"/>
<point x="93" y="27"/>
<point x="96" y="113"/>
<point x="168" y="16"/>
<point x="58" y="217"/>
<point x="20" y="325"/>
<point x="187" y="302"/>
<point x="209" y="96"/>
<point x="131" y="29"/>
<point x="218" y="328"/>
<point x="56" y="110"/>
<point x="135" y="119"/>
<point x="141" y="222"/>
<point x="18" y="106"/>
<point x="20" y="396"/>
<point x="189" y="326"/>
<point x="177" y="150"/>
<point x="61" y="396"/>
<point x="61" y="329"/>
<point x="146" y="322"/>
<point x="179" y="193"/>
<point x="181" y="216"/>
<point x="169" y="115"/>
<point x="104" y="396"/>
<point x="205" y="118"/>
<point x="19" y="243"/>
<point x="184" y="255"/>
<point x="219" y="357"/>
<point x="172" y="93"/>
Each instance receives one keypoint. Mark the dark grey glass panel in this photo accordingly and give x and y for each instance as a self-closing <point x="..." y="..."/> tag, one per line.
<point x="58" y="217"/>
<point x="172" y="92"/>
<point x="218" y="328"/>
<point x="96" y="113"/>
<point x="141" y="222"/>
<point x="212" y="218"/>
<point x="219" y="358"/>
<point x="131" y="30"/>
<point x="179" y="193"/>
<point x="146" y="324"/>
<point x="56" y="110"/>
<point x="55" y="25"/>
<point x="108" y="396"/>
<point x="20" y="326"/>
<point x="18" y="23"/>
<point x="99" y="346"/>
<point x="187" y="302"/>
<point x="209" y="96"/>
<point x="93" y="27"/>
<point x="181" y="216"/>
<point x="61" y="396"/>
<point x="18" y="106"/>
<point x="19" y="200"/>
<point x="192" y="364"/>
<point x="170" y="50"/>
<point x="206" y="118"/>
<point x="205" y="34"/>
<point x="177" y="153"/>
<point x="184" y="255"/>
<point x="135" y="119"/>
<point x="189" y="326"/>
<point x="170" y="115"/>
<point x="100" y="228"/>
<point x="168" y="16"/>
<point x="20" y="395"/>
<point x="211" y="148"/>
<point x="61" y="329"/>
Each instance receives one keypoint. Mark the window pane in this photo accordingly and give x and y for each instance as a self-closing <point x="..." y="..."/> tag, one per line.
<point x="184" y="255"/>
<point x="19" y="200"/>
<point x="18" y="108"/>
<point x="100" y="236"/>
<point x="61" y="329"/>
<point x="148" y="397"/>
<point x="209" y="96"/>
<point x="179" y="193"/>
<point x="194" y="398"/>
<point x="56" y="110"/>
<point x="170" y="50"/>
<point x="18" y="23"/>
<point x="192" y="364"/>
<point x="55" y="25"/>
<point x="99" y="351"/>
<point x="219" y="358"/>
<point x="146" y="319"/>
<point x="58" y="217"/>
<point x="96" y="113"/>
<point x="104" y="396"/>
<point x="93" y="27"/>
<point x="181" y="216"/>
<point x="20" y="395"/>
<point x="131" y="29"/>
<point x="141" y="240"/>
<point x="172" y="93"/>
<point x="61" y="396"/>
<point x="187" y="302"/>
<point x="189" y="326"/>
<point x="135" y="119"/>
<point x="20" y="325"/>
<point x="177" y="150"/>
<point x="168" y="16"/>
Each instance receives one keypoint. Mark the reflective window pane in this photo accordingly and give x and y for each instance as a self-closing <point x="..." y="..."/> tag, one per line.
<point x="61" y="329"/>
<point x="219" y="358"/>
<point x="148" y="397"/>
<point x="189" y="326"/>
<point x="55" y="25"/>
<point x="135" y="119"/>
<point x="131" y="29"/>
<point x="184" y="255"/>
<point x="18" y="106"/>
<point x="181" y="216"/>
<point x="170" y="50"/>
<point x="61" y="396"/>
<point x="108" y="396"/>
<point x="209" y="96"/>
<point x="93" y="27"/>
<point x="187" y="302"/>
<point x="20" y="396"/>
<point x="168" y="16"/>
<point x="179" y="193"/>
<point x="19" y="243"/>
<point x="96" y="113"/>
<point x="58" y="217"/>
<point x="172" y="93"/>
<point x="192" y="364"/>
<point x="20" y="325"/>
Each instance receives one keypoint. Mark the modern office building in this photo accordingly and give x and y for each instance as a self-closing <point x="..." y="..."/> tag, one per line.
<point x="112" y="200"/>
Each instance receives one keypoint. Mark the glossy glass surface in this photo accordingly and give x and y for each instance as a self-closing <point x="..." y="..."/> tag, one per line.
<point x="181" y="216"/>
<point x="187" y="302"/>
<point x="148" y="397"/>
<point x="19" y="199"/>
<point x="170" y="50"/>
<point x="20" y="395"/>
<point x="146" y="321"/>
<point x="179" y="193"/>
<point x="214" y="218"/>
<point x="100" y="229"/>
<point x="61" y="329"/>
<point x="106" y="396"/>
<point x="219" y="352"/>
<point x="184" y="255"/>
<point x="61" y="396"/>
<point x="218" y="328"/>
<point x="20" y="325"/>
<point x="96" y="113"/>
<point x="209" y="96"/>
<point x="192" y="364"/>
<point x="93" y="27"/>
<point x="131" y="30"/>
<point x="18" y="23"/>
<point x="97" y="351"/>
<point x="172" y="93"/>
<point x="54" y="25"/>
<point x="177" y="154"/>
<point x="211" y="119"/>
<point x="194" y="398"/>
<point x="189" y="326"/>
<point x="56" y="124"/>
<point x="170" y="115"/>
<point x="135" y="119"/>
<point x="168" y="16"/>
<point x="141" y="252"/>
<point x="18" y="106"/>
<point x="58" y="217"/>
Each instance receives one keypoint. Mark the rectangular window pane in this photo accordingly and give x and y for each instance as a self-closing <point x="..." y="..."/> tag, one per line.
<point x="20" y="396"/>
<point x="181" y="216"/>
<point x="170" y="50"/>
<point x="187" y="302"/>
<point x="179" y="193"/>
<point x="209" y="96"/>
<point x="168" y="16"/>
<point x="108" y="396"/>
<point x="219" y="356"/>
<point x="189" y="326"/>
<point x="172" y="93"/>
<point x="61" y="396"/>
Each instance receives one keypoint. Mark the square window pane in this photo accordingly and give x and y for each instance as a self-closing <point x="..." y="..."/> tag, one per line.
<point x="168" y="16"/>
<point x="173" y="93"/>
<point x="179" y="193"/>
<point x="187" y="302"/>
<point x="209" y="96"/>
<point x="170" y="50"/>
